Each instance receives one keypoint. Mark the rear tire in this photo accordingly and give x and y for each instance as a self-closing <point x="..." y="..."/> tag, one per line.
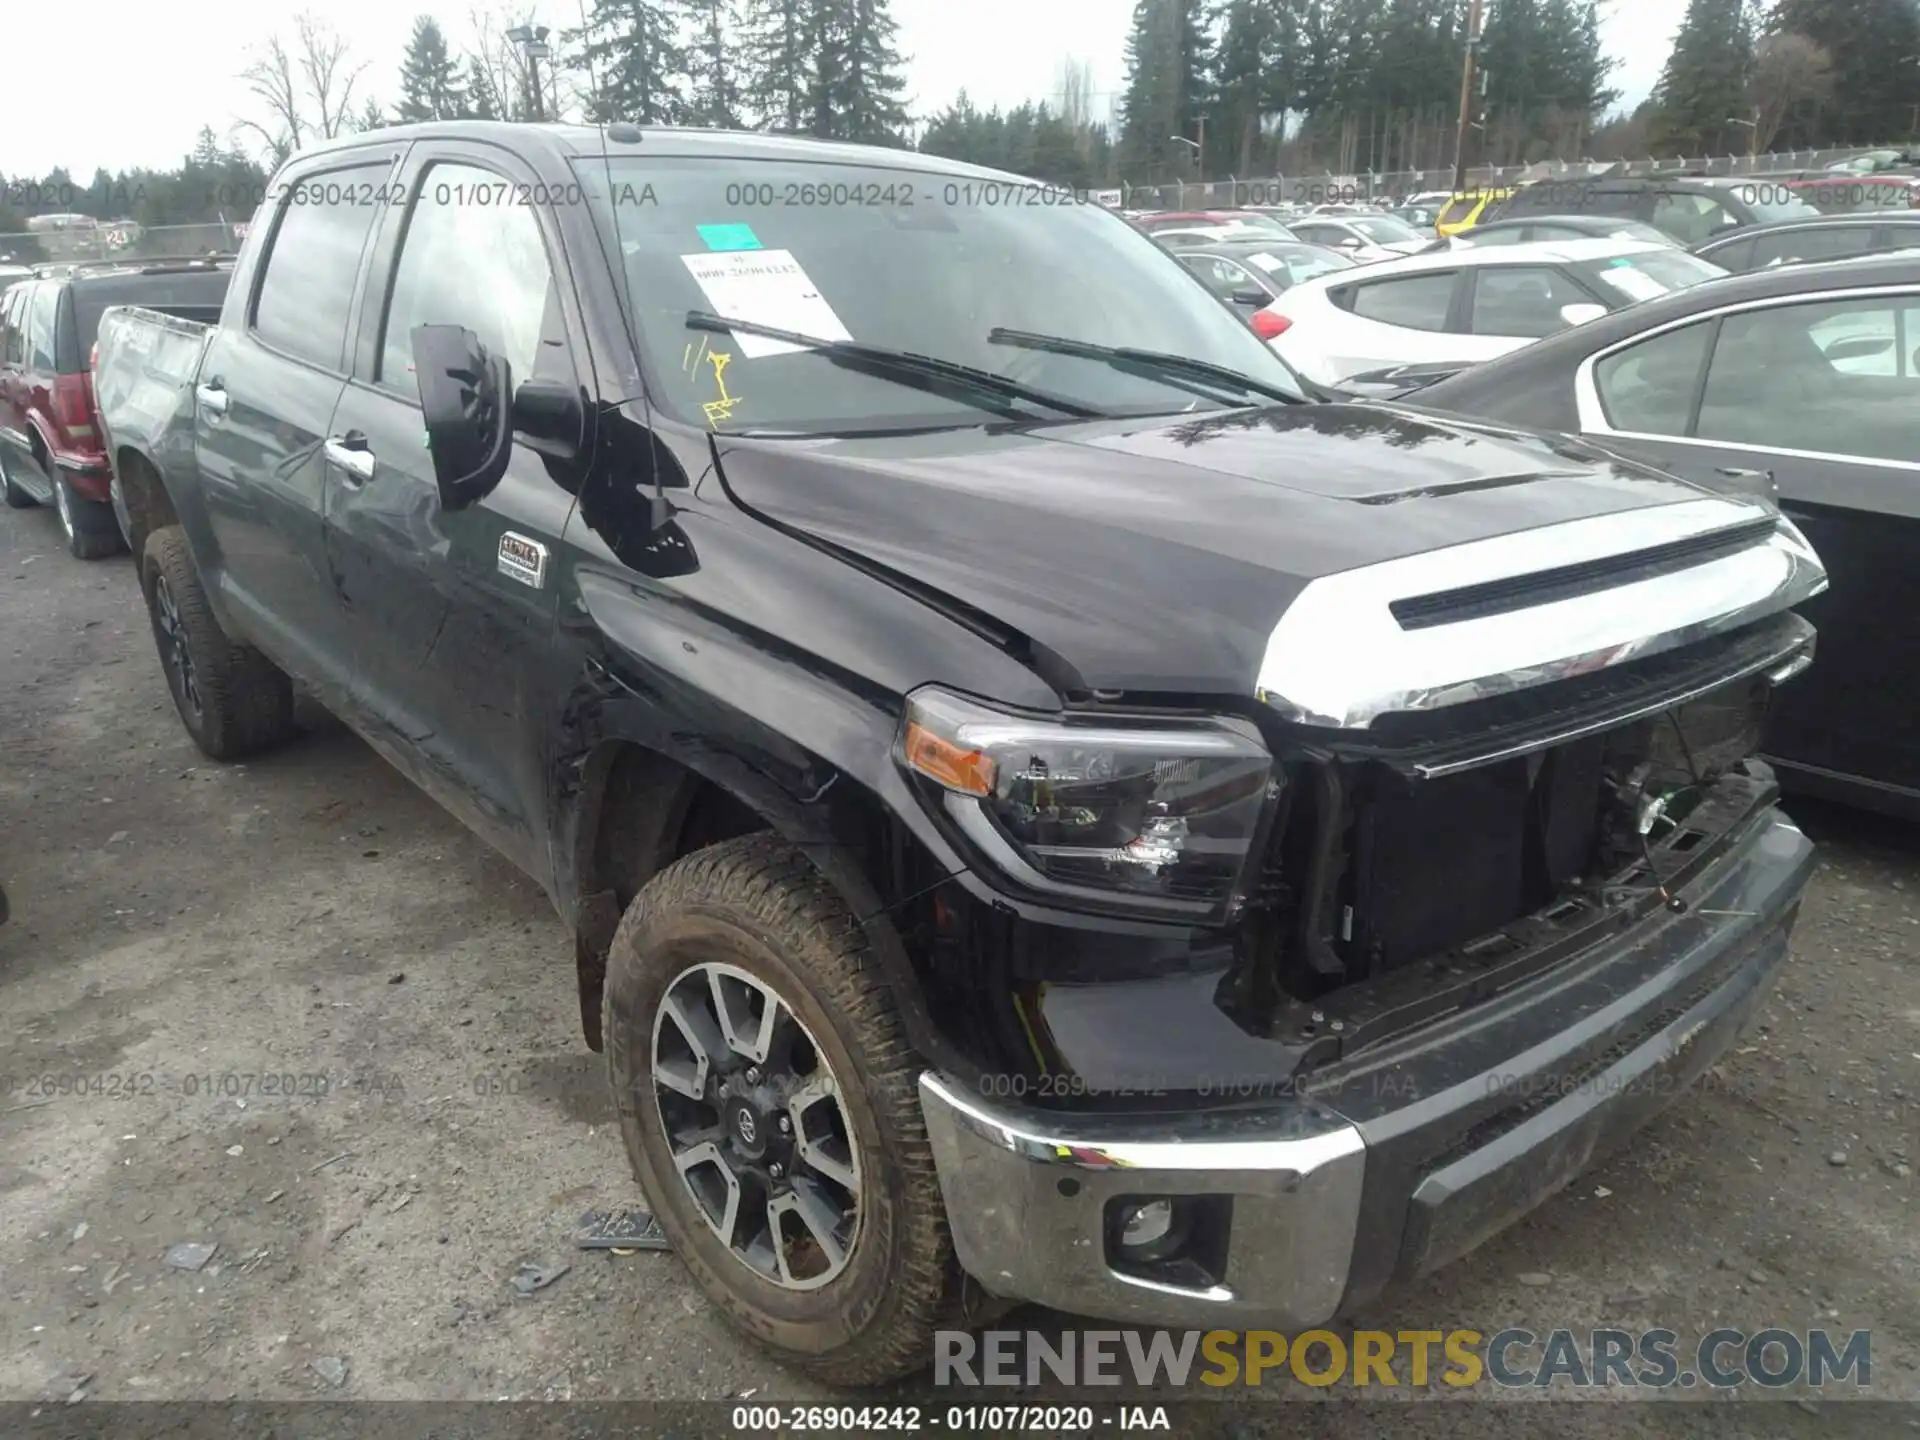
<point x="92" y="531"/>
<point x="17" y="499"/>
<point x="859" y="1306"/>
<point x="233" y="700"/>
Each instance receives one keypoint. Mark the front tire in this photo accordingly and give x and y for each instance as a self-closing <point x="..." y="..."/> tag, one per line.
<point x="232" y="699"/>
<point x="739" y="983"/>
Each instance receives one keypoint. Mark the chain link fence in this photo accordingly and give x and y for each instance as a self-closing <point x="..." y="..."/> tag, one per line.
<point x="1329" y="188"/>
<point x="117" y="240"/>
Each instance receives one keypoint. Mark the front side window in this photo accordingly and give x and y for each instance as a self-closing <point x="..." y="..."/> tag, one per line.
<point x="900" y="258"/>
<point x="1814" y="243"/>
<point x="1647" y="274"/>
<point x="1648" y="389"/>
<point x="1223" y="277"/>
<point x="1522" y="300"/>
<point x="1418" y="302"/>
<point x="306" y="292"/>
<point x="470" y="256"/>
<point x="1839" y="377"/>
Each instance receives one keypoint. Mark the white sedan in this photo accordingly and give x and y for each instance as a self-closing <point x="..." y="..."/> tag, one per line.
<point x="1363" y="237"/>
<point x="1463" y="306"/>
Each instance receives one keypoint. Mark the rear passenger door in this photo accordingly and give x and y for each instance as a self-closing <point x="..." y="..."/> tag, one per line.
<point x="1815" y="242"/>
<point x="263" y="406"/>
<point x="454" y="643"/>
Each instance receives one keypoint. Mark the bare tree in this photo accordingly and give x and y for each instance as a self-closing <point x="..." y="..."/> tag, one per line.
<point x="1788" y="70"/>
<point x="1073" y="91"/>
<point x="305" y="89"/>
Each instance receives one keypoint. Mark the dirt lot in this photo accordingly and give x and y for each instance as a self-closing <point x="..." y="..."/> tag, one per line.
<point x="316" y="1025"/>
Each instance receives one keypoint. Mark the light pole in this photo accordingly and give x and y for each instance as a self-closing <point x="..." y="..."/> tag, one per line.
<point x="532" y="43"/>
<point x="1753" y="136"/>
<point x="1466" y="98"/>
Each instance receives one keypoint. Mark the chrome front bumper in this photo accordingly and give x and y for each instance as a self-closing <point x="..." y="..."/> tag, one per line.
<point x="1027" y="1209"/>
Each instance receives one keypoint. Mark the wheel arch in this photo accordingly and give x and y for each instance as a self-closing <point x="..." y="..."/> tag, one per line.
<point x="141" y="497"/>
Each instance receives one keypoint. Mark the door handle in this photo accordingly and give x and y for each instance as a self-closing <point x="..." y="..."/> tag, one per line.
<point x="212" y="398"/>
<point x="351" y="454"/>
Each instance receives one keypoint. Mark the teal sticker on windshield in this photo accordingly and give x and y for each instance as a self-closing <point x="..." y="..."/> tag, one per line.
<point x="1620" y="262"/>
<point x="729" y="237"/>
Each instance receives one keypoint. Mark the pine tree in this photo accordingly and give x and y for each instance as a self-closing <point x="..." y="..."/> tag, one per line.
<point x="482" y="103"/>
<point x="1871" y="45"/>
<point x="206" y="150"/>
<point x="777" y="62"/>
<point x="1704" y="85"/>
<point x="715" y="89"/>
<point x="1166" y="55"/>
<point x="866" y="104"/>
<point x="632" y="48"/>
<point x="429" y="76"/>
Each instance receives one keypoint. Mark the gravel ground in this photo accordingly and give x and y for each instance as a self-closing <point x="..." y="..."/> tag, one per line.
<point x="322" y="1029"/>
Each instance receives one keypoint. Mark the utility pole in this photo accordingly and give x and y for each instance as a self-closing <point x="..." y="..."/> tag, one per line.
<point x="1466" y="97"/>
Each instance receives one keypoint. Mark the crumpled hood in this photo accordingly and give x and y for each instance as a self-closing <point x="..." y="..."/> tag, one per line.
<point x="1160" y="555"/>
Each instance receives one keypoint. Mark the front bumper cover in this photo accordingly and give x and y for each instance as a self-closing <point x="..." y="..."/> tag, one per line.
<point x="1330" y="1202"/>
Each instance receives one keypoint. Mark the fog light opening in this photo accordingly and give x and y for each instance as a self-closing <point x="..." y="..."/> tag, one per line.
<point x="1150" y="1228"/>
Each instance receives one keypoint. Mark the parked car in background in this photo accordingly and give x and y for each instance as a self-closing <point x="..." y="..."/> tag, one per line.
<point x="1872" y="162"/>
<point x="1365" y="237"/>
<point x="1467" y="305"/>
<point x="1687" y="208"/>
<point x="1822" y="237"/>
<point x="1178" y="235"/>
<point x="1421" y="217"/>
<point x="51" y="448"/>
<point x="1189" y="219"/>
<point x="1247" y="274"/>
<point x="1549" y="228"/>
<point x="1468" y="208"/>
<point x="1803" y="379"/>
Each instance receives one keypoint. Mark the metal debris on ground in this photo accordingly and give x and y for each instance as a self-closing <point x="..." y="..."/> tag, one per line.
<point x="331" y="1369"/>
<point x="538" y="1277"/>
<point x="622" y="1231"/>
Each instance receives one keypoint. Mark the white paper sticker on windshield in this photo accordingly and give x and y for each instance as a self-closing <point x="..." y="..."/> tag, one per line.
<point x="1268" y="263"/>
<point x="1637" y="283"/>
<point x="767" y="287"/>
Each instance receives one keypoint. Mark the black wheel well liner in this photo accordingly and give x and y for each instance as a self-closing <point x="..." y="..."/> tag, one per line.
<point x="641" y="810"/>
<point x="144" y="493"/>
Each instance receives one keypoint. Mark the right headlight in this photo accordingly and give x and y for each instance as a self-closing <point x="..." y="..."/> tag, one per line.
<point x="1158" y="816"/>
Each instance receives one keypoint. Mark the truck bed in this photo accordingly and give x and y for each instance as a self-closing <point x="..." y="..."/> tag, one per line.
<point x="145" y="368"/>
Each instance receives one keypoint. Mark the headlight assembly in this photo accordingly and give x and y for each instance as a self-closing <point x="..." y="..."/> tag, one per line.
<point x="1161" y="817"/>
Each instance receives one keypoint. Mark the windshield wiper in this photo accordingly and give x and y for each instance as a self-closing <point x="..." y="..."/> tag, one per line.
<point x="966" y="383"/>
<point x="1155" y="364"/>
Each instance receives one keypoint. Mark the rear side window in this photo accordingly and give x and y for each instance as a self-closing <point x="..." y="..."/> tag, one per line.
<point x="1417" y="302"/>
<point x="307" y="291"/>
<point x="1900" y="237"/>
<point x="41" y="318"/>
<point x="1737" y="256"/>
<point x="1648" y="389"/>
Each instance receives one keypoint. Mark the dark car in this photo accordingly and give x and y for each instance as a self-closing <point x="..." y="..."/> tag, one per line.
<point x="1825" y="237"/>
<point x="1809" y="374"/>
<point x="1686" y="208"/>
<point x="1525" y="231"/>
<point x="1247" y="274"/>
<point x="1038" y="805"/>
<point x="50" y="443"/>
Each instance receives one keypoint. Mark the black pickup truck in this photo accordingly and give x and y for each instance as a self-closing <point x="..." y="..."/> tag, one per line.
<point x="1046" y="811"/>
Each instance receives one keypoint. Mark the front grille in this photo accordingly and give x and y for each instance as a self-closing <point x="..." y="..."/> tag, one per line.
<point x="1566" y="582"/>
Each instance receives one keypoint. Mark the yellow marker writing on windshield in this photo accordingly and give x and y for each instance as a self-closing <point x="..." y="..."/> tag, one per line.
<point x="721" y="409"/>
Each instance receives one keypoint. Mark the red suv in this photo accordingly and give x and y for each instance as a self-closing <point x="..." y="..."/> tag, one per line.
<point x="50" y="445"/>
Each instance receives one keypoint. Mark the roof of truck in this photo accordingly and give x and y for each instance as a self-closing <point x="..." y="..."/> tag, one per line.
<point x="564" y="142"/>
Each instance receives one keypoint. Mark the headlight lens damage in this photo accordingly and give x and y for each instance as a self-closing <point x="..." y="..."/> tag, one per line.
<point x="1161" y="814"/>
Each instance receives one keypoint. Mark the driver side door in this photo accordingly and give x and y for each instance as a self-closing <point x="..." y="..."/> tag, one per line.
<point x="452" y="611"/>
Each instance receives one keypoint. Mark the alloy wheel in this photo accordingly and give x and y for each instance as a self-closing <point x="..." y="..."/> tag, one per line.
<point x="753" y="1117"/>
<point x="173" y="645"/>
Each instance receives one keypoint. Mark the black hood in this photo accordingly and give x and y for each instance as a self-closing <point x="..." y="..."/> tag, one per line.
<point x="1158" y="556"/>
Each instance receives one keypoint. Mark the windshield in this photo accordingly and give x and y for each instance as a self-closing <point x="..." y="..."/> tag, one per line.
<point x="1297" y="262"/>
<point x="1385" y="229"/>
<point x="906" y="259"/>
<point x="1650" y="273"/>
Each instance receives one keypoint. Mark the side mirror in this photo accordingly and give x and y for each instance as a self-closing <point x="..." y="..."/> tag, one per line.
<point x="1581" y="312"/>
<point x="550" y="417"/>
<point x="1350" y="242"/>
<point x="1757" y="483"/>
<point x="464" y="401"/>
<point x="1251" y="295"/>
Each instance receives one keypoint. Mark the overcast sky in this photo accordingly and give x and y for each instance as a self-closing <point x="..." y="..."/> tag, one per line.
<point x="148" y="76"/>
